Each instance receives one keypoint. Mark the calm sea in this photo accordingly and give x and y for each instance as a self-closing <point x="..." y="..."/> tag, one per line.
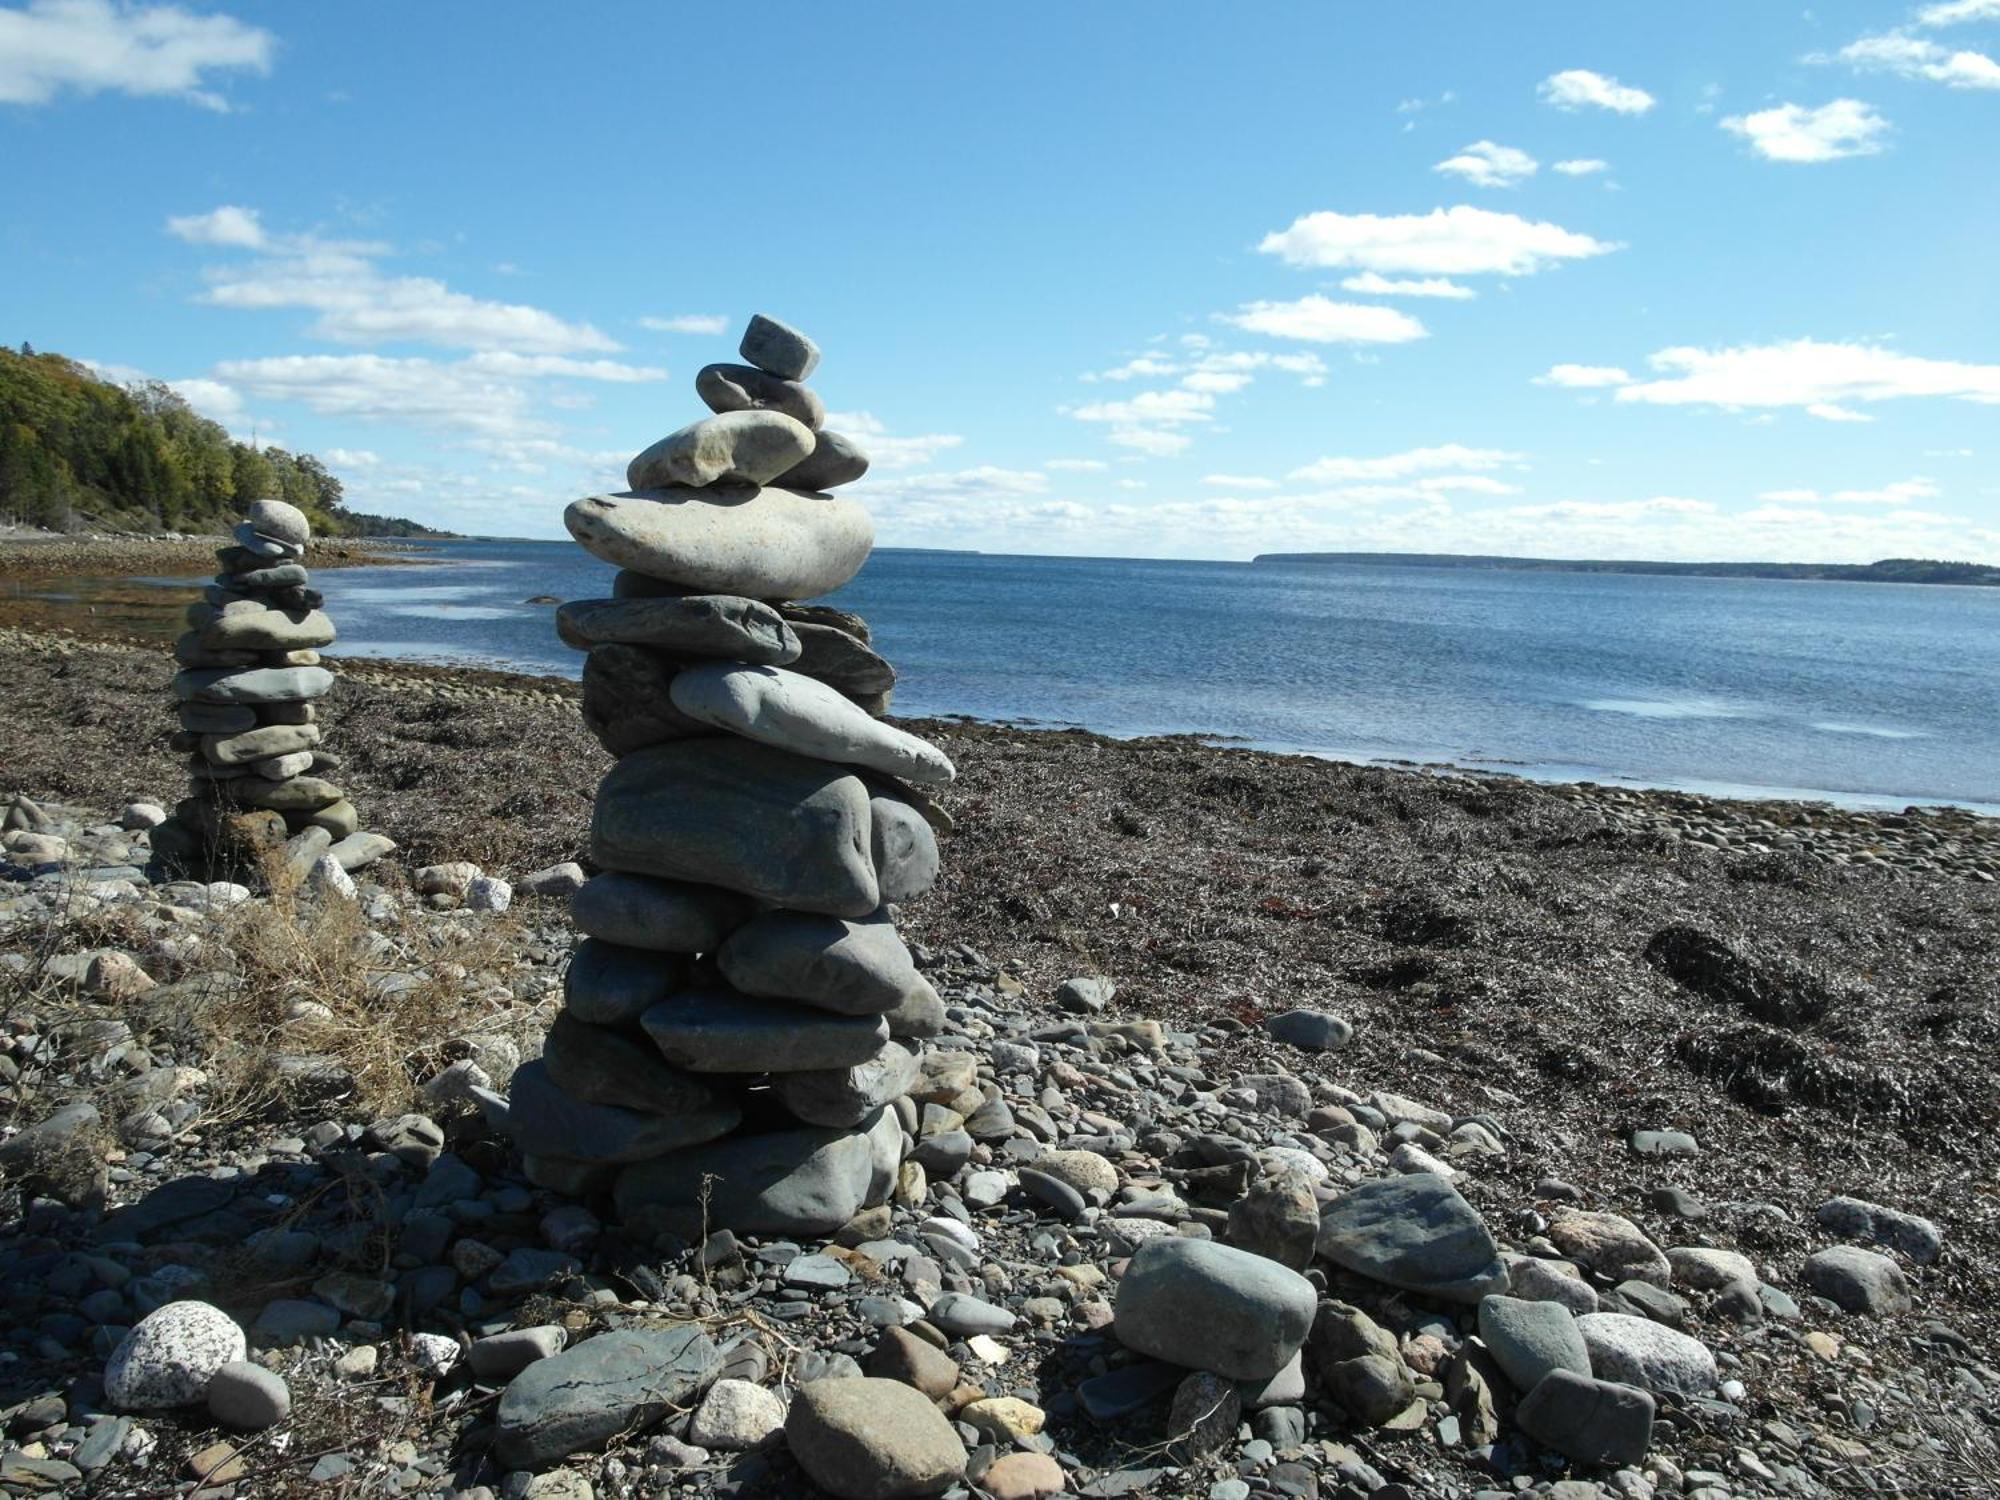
<point x="1869" y="694"/>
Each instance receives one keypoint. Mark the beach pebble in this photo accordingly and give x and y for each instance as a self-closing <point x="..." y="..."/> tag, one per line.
<point x="869" y="1439"/>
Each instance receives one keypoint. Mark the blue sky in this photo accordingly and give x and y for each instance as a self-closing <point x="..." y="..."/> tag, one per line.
<point x="1700" y="280"/>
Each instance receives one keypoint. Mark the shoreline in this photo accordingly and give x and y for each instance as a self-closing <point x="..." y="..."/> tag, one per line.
<point x="32" y="561"/>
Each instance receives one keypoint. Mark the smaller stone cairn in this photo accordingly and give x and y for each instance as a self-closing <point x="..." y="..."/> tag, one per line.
<point x="246" y="694"/>
<point x="731" y="1051"/>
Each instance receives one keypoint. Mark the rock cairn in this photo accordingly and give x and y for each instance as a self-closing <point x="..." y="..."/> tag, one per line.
<point x="250" y="676"/>
<point x="731" y="1052"/>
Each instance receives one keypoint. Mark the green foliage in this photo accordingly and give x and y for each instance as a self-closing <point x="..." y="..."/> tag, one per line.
<point x="77" y="451"/>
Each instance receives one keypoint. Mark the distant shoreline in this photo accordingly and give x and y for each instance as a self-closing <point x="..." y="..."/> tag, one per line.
<point x="1886" y="570"/>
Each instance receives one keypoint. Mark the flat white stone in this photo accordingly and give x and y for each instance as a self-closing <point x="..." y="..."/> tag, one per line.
<point x="728" y="539"/>
<point x="797" y="713"/>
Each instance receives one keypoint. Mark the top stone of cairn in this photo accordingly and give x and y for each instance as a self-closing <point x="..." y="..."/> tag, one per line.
<point x="778" y="349"/>
<point x="278" y="522"/>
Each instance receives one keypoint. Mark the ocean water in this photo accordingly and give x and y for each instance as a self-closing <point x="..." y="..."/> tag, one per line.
<point x="1866" y="694"/>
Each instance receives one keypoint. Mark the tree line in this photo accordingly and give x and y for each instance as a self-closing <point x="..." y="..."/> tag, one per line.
<point x="80" y="452"/>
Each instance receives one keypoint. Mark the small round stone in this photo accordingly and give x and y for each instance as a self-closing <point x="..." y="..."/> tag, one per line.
<point x="248" y="1397"/>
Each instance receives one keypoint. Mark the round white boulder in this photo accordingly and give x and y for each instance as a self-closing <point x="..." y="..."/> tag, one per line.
<point x="170" y="1356"/>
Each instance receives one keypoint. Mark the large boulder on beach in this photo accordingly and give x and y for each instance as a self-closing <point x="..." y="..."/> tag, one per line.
<point x="728" y="539"/>
<point x="169" y="1356"/>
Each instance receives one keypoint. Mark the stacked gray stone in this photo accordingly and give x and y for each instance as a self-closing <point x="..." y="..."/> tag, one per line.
<point x="736" y="1044"/>
<point x="250" y="678"/>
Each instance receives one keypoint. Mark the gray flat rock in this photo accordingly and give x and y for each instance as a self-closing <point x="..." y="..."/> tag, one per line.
<point x="1592" y="1421"/>
<point x="1211" y="1307"/>
<point x="846" y="1097"/>
<point x="798" y="713"/>
<point x="720" y="1031"/>
<point x="627" y="700"/>
<point x="253" y="685"/>
<point x="268" y="630"/>
<point x="546" y="1121"/>
<point x="747" y="388"/>
<point x="850" y="967"/>
<point x="280" y="521"/>
<point x="259" y="744"/>
<point x="610" y="1065"/>
<point x="742" y="816"/>
<point x="778" y="348"/>
<point x="835" y="459"/>
<point x="609" y="984"/>
<point x="903" y="848"/>
<point x="741" y="447"/>
<point x="618" y="1382"/>
<point x="839" y="658"/>
<point x="1649" y="1355"/>
<point x="805" y="1181"/>
<point x="1413" y="1232"/>
<point x="1529" y="1339"/>
<point x="728" y="539"/>
<point x="691" y="625"/>
<point x="641" y="911"/>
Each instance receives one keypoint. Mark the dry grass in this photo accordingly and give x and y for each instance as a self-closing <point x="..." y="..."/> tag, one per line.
<point x="384" y="1004"/>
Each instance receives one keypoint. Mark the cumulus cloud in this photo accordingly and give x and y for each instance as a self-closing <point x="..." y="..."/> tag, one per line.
<point x="1582" y="166"/>
<point x="1919" y="58"/>
<point x="1957" y="12"/>
<point x="1794" y="133"/>
<point x="1489" y="164"/>
<point x="1238" y="482"/>
<point x="1447" y="456"/>
<point x="229" y="225"/>
<point x="1077" y="465"/>
<point x="1165" y="408"/>
<point x="1819" y="376"/>
<point x="1320" y="320"/>
<point x="1579" y="88"/>
<point x="148" y="51"/>
<point x="1898" y="492"/>
<point x="1459" y="241"/>
<point x="358" y="302"/>
<point x="886" y="451"/>
<point x="1583" y="377"/>
<point x="703" y="323"/>
<point x="1373" y="283"/>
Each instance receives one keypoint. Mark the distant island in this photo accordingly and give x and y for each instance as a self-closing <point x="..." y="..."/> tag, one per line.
<point x="1887" y="570"/>
<point x="78" y="453"/>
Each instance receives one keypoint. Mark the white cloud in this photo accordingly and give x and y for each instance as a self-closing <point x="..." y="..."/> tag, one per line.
<point x="149" y="51"/>
<point x="1583" y="377"/>
<point x="1957" y="12"/>
<point x="1827" y="411"/>
<point x="1373" y="283"/>
<point x="1582" y="166"/>
<point x="886" y="451"/>
<point x="423" y="393"/>
<point x="229" y="225"/>
<point x="1319" y="320"/>
<point x="1077" y="465"/>
<point x="1459" y="241"/>
<point x="532" y="366"/>
<point x="1151" y="408"/>
<point x="1489" y="164"/>
<point x="704" y="323"/>
<point x="1577" y="88"/>
<point x="1216" y="382"/>
<point x="1898" y="492"/>
<point x="1155" y="442"/>
<point x="1794" y="133"/>
<point x="1915" y="57"/>
<point x="1143" y="367"/>
<point x="1448" y="456"/>
<point x="1239" y="482"/>
<point x="358" y="303"/>
<point x="1810" y="374"/>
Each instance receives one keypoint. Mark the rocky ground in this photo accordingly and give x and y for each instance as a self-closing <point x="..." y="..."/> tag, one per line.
<point x="1652" y="1036"/>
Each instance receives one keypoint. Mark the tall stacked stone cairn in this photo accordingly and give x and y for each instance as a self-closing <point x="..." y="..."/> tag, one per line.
<point x="732" y="1048"/>
<point x="251" y="674"/>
